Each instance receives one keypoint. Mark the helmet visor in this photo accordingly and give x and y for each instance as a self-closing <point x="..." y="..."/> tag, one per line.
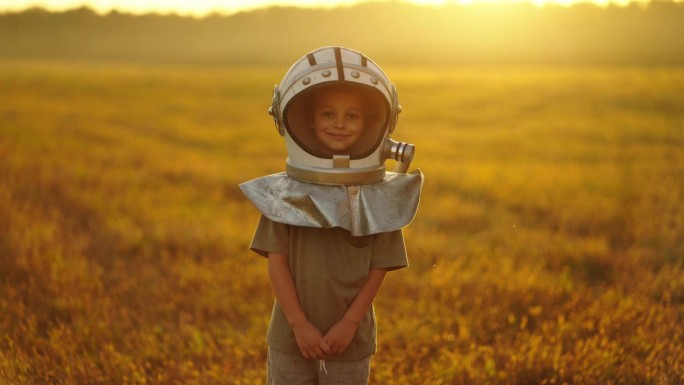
<point x="298" y="117"/>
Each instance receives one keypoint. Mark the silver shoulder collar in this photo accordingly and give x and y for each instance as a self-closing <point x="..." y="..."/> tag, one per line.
<point x="387" y="205"/>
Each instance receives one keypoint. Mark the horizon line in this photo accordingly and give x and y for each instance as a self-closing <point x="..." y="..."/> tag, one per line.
<point x="103" y="11"/>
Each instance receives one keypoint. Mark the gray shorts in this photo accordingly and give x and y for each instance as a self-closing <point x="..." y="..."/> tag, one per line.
<point x="293" y="369"/>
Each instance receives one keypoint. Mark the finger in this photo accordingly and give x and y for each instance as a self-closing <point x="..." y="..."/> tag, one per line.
<point x="321" y="354"/>
<point x="325" y="347"/>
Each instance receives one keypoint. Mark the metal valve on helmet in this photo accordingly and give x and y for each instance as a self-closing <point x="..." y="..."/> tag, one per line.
<point x="401" y="152"/>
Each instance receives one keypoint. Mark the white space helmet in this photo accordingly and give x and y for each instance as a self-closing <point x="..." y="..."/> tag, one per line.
<point x="364" y="162"/>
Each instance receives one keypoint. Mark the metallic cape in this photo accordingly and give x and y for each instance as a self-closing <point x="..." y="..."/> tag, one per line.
<point x="387" y="205"/>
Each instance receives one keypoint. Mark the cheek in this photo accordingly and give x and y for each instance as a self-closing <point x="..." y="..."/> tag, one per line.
<point x="317" y="123"/>
<point x="358" y="125"/>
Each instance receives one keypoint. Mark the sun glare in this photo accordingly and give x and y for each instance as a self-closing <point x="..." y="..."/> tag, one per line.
<point x="204" y="7"/>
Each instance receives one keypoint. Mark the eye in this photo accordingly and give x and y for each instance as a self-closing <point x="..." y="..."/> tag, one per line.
<point x="353" y="116"/>
<point x="328" y="114"/>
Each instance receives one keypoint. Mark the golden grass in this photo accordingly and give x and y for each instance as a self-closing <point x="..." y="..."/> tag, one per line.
<point x="548" y="247"/>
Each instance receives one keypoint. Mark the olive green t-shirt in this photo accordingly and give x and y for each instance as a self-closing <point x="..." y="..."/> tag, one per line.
<point x="329" y="268"/>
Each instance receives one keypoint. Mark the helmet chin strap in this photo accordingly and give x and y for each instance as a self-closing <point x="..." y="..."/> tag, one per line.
<point x="341" y="161"/>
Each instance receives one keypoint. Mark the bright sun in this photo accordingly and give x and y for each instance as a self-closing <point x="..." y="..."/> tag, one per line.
<point x="203" y="7"/>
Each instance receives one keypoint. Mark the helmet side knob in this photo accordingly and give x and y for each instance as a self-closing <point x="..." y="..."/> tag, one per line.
<point x="274" y="111"/>
<point x="402" y="152"/>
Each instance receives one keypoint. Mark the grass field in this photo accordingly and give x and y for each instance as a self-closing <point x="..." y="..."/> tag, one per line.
<point x="548" y="247"/>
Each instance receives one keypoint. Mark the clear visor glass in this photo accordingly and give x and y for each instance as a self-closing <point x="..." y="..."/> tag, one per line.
<point x="303" y="109"/>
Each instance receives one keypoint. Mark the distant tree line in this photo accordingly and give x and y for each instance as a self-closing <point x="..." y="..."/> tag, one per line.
<point x="397" y="32"/>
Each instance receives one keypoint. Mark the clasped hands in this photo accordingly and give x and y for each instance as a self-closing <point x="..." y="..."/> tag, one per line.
<point x="314" y="345"/>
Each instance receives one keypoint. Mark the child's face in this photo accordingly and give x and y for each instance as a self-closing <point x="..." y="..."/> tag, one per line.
<point x="338" y="119"/>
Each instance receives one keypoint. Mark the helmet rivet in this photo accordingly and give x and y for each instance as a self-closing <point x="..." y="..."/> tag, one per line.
<point x="306" y="80"/>
<point x="374" y="80"/>
<point x="355" y="74"/>
<point x="326" y="73"/>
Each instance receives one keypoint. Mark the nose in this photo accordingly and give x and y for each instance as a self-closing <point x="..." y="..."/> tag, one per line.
<point x="339" y="122"/>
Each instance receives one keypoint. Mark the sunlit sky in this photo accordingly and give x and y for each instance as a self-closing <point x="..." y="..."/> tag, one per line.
<point x="203" y="7"/>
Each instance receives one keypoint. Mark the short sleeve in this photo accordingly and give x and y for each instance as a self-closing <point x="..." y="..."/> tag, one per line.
<point x="270" y="237"/>
<point x="389" y="251"/>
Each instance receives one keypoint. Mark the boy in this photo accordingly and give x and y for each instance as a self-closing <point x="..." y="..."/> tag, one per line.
<point x="331" y="224"/>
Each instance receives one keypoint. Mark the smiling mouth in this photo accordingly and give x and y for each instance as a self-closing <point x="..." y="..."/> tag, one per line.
<point x="338" y="135"/>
